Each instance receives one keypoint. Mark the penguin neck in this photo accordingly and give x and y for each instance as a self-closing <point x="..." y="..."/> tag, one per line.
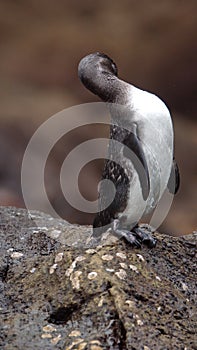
<point x="109" y="88"/>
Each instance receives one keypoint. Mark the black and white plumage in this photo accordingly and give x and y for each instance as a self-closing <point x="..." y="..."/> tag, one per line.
<point x="141" y="123"/>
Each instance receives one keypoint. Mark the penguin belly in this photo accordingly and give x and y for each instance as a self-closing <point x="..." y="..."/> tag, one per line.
<point x="136" y="205"/>
<point x="155" y="131"/>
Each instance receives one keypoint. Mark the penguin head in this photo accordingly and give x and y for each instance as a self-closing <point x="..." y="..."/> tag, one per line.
<point x="95" y="69"/>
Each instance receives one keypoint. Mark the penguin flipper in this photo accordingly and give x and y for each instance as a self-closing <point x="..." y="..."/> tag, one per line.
<point x="133" y="151"/>
<point x="134" y="144"/>
<point x="174" y="179"/>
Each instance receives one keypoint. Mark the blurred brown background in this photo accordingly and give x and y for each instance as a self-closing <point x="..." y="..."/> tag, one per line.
<point x="154" y="45"/>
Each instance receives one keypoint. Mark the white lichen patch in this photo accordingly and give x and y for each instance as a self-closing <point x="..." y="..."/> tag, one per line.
<point x="80" y="258"/>
<point x="75" y="279"/>
<point x="184" y="286"/>
<point x="35" y="231"/>
<point x="42" y="228"/>
<point x="46" y="336"/>
<point x="158" y="278"/>
<point x="130" y="303"/>
<point x="107" y="257"/>
<point x="92" y="275"/>
<point x="75" y="333"/>
<point x="49" y="328"/>
<point x="95" y="342"/>
<point x="140" y="322"/>
<point x="59" y="257"/>
<point x="55" y="340"/>
<point x="133" y="268"/>
<point x="70" y="270"/>
<point x="109" y="270"/>
<point x="140" y="257"/>
<point x="32" y="270"/>
<point x="123" y="265"/>
<point x="52" y="269"/>
<point x="121" y="255"/>
<point x="10" y="250"/>
<point x="121" y="274"/>
<point x="75" y="342"/>
<point x="101" y="302"/>
<point x="90" y="251"/>
<point x="16" y="255"/>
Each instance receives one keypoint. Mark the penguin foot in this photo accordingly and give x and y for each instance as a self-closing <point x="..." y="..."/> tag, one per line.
<point x="144" y="236"/>
<point x="136" y="237"/>
<point x="129" y="236"/>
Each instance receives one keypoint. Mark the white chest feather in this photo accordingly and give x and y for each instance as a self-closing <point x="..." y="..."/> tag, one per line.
<point x="154" y="128"/>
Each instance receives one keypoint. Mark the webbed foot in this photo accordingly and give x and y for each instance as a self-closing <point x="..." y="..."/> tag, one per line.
<point x="145" y="236"/>
<point x="129" y="236"/>
<point x="136" y="237"/>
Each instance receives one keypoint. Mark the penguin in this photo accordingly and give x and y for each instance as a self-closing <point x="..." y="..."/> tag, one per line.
<point x="140" y="162"/>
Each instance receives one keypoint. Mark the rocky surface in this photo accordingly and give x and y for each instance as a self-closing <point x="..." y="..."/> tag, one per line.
<point x="59" y="293"/>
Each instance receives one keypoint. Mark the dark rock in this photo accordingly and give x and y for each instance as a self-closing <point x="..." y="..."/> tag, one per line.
<point x="58" y="292"/>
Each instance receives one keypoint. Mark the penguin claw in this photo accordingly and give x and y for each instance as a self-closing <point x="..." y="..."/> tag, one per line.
<point x="132" y="239"/>
<point x="145" y="237"/>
